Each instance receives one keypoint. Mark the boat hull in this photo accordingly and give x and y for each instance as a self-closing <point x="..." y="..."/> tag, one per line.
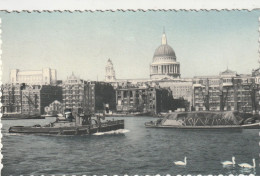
<point x="74" y="130"/>
<point x="248" y="126"/>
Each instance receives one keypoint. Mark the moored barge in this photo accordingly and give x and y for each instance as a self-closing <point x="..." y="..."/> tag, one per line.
<point x="206" y="120"/>
<point x="16" y="116"/>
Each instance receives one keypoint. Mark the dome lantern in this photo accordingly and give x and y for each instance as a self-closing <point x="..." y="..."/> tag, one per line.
<point x="164" y="39"/>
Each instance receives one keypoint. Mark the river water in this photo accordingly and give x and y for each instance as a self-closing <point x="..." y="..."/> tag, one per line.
<point x="135" y="150"/>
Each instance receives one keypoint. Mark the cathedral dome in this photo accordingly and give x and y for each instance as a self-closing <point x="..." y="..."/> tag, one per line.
<point x="164" y="63"/>
<point x="164" y="50"/>
<point x="164" y="53"/>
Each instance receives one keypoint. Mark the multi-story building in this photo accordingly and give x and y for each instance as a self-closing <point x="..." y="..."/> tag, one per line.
<point x="181" y="88"/>
<point x="28" y="99"/>
<point x="45" y="76"/>
<point x="202" y="87"/>
<point x="86" y="96"/>
<point x="36" y="97"/>
<point x="11" y="98"/>
<point x="228" y="91"/>
<point x="256" y="88"/>
<point x="104" y="95"/>
<point x="134" y="98"/>
<point x="78" y="95"/>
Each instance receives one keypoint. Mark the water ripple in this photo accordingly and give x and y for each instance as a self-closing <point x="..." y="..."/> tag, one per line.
<point x="134" y="150"/>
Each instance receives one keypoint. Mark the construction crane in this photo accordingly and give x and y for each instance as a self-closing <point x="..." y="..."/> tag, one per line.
<point x="30" y="101"/>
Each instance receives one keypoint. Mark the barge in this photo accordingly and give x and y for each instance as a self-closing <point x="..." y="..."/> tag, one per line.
<point x="69" y="125"/>
<point x="206" y="120"/>
<point x="15" y="116"/>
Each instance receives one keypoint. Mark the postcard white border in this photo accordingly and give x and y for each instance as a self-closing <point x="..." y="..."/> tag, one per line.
<point x="93" y="5"/>
<point x="17" y="8"/>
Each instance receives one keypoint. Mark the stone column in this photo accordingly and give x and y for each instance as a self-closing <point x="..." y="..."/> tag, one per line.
<point x="162" y="69"/>
<point x="122" y="95"/>
<point x="128" y="99"/>
<point x="134" y="97"/>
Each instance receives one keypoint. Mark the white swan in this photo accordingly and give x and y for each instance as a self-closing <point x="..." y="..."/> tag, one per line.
<point x="247" y="165"/>
<point x="228" y="163"/>
<point x="181" y="163"/>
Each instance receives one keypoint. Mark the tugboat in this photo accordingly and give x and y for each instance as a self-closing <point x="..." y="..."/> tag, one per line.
<point x="72" y="124"/>
<point x="206" y="120"/>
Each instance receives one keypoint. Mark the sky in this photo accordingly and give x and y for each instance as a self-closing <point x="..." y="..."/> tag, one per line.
<point x="205" y="43"/>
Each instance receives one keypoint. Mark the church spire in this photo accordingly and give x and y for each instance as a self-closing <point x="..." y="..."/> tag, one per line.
<point x="164" y="39"/>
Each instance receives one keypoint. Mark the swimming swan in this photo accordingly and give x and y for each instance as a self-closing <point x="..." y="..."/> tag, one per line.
<point x="247" y="165"/>
<point x="228" y="163"/>
<point x="181" y="163"/>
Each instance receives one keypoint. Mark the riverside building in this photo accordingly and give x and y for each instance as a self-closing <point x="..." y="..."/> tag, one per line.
<point x="87" y="96"/>
<point x="225" y="92"/>
<point x="28" y="99"/>
<point x="46" y="76"/>
<point x="78" y="95"/>
<point x="11" y="98"/>
<point x="143" y="98"/>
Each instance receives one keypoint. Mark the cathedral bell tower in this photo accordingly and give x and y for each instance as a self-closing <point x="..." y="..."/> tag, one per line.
<point x="110" y="72"/>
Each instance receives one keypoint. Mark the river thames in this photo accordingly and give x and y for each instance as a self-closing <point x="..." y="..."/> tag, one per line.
<point x="135" y="150"/>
